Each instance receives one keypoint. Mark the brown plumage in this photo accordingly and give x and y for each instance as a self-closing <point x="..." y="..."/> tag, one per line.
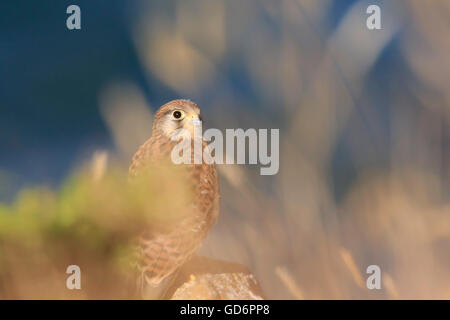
<point x="164" y="249"/>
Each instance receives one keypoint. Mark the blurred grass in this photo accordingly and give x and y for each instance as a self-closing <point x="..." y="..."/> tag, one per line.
<point x="364" y="129"/>
<point x="89" y="222"/>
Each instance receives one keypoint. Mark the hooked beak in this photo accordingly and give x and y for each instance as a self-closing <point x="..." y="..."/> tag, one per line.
<point x="196" y="120"/>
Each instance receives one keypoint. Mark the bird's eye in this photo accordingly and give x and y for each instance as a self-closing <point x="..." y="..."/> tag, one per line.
<point x="178" y="114"/>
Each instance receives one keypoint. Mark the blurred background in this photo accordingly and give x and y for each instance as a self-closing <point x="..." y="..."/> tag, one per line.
<point x="363" y="116"/>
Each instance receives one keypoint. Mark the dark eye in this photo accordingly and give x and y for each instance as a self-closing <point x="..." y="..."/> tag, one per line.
<point x="178" y="114"/>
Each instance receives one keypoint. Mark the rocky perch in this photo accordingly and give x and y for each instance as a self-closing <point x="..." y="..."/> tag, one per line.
<point x="208" y="279"/>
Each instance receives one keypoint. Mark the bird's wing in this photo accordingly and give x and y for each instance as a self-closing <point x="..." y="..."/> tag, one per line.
<point x="163" y="251"/>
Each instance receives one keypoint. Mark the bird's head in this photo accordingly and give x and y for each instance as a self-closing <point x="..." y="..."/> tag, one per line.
<point x="175" y="115"/>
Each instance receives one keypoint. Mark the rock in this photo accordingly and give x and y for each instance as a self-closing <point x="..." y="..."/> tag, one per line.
<point x="206" y="279"/>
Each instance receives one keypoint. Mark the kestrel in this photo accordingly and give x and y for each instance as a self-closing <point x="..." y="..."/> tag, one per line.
<point x="164" y="250"/>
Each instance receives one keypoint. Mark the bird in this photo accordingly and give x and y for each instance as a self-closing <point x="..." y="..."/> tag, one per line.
<point x="162" y="250"/>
